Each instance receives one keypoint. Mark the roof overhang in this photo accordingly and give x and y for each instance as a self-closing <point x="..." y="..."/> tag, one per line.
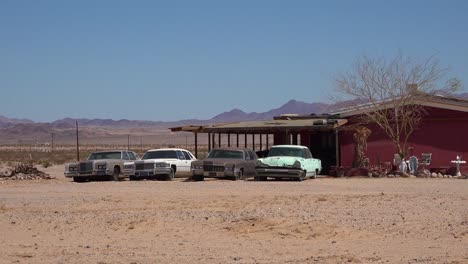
<point x="436" y="101"/>
<point x="265" y="127"/>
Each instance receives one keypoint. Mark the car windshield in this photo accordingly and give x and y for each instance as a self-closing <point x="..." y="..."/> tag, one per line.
<point x="105" y="155"/>
<point x="288" y="152"/>
<point x="225" y="154"/>
<point x="160" y="154"/>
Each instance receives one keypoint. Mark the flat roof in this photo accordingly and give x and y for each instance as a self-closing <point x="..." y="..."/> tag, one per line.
<point x="266" y="126"/>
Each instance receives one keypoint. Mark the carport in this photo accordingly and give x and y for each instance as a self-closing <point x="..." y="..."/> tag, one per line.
<point x="320" y="134"/>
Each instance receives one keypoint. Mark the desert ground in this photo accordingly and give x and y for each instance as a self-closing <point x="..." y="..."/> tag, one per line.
<point x="326" y="220"/>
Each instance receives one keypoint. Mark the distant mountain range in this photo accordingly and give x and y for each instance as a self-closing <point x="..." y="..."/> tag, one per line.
<point x="235" y="115"/>
<point x="24" y="130"/>
<point x="15" y="130"/>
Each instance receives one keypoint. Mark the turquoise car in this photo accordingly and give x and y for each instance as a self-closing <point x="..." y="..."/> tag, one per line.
<point x="288" y="161"/>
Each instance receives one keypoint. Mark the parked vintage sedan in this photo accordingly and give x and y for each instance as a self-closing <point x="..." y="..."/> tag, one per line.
<point x="288" y="161"/>
<point x="230" y="163"/>
<point x="102" y="164"/>
<point x="161" y="164"/>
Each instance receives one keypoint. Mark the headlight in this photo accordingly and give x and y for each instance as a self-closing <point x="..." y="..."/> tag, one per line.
<point x="101" y="167"/>
<point x="129" y="166"/>
<point x="229" y="168"/>
<point x="297" y="164"/>
<point x="162" y="165"/>
<point x="72" y="168"/>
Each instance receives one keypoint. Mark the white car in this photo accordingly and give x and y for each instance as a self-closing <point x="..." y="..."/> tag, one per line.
<point x="160" y="164"/>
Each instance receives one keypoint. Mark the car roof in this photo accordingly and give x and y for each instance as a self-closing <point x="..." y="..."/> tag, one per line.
<point x="111" y="150"/>
<point x="160" y="149"/>
<point x="289" y="146"/>
<point x="232" y="148"/>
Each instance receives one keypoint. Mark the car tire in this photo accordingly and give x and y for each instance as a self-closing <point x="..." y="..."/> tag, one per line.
<point x="240" y="176"/>
<point x="198" y="177"/>
<point x="315" y="174"/>
<point x="133" y="178"/>
<point x="170" y="176"/>
<point x="115" y="174"/>
<point x="79" y="179"/>
<point x="302" y="176"/>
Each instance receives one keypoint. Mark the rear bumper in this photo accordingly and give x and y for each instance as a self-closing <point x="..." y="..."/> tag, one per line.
<point x="279" y="172"/>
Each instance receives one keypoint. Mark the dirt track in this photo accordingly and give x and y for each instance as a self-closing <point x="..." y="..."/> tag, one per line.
<point x="315" y="221"/>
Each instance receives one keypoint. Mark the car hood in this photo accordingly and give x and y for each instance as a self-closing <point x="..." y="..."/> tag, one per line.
<point x="218" y="161"/>
<point x="280" y="161"/>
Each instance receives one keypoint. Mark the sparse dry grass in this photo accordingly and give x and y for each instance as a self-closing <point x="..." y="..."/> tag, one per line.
<point x="43" y="155"/>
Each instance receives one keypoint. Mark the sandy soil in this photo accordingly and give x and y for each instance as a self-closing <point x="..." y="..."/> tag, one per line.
<point x="316" y="221"/>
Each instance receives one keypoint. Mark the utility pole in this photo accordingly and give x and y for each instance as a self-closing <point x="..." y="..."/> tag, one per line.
<point x="77" y="143"/>
<point x="52" y="144"/>
<point x="128" y="142"/>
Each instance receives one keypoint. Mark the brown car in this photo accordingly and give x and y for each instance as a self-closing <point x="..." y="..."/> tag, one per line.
<point x="232" y="163"/>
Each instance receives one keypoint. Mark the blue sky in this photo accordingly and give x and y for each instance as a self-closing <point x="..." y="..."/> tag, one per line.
<point x="172" y="60"/>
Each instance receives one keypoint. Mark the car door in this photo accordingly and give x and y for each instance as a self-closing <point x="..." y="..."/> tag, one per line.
<point x="251" y="162"/>
<point x="183" y="165"/>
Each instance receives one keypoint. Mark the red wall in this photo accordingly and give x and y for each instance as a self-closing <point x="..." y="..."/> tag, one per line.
<point x="444" y="133"/>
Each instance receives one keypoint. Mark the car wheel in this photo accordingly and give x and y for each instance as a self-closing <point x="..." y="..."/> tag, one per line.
<point x="133" y="178"/>
<point x="170" y="176"/>
<point x="115" y="174"/>
<point x="79" y="179"/>
<point x="302" y="176"/>
<point x="315" y="174"/>
<point x="239" y="176"/>
<point x="198" y="177"/>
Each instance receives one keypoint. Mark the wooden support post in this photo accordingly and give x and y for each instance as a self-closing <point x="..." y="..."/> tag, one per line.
<point x="253" y="142"/>
<point x="219" y="140"/>
<point x="245" y="140"/>
<point x="213" y="140"/>
<point x="229" y="140"/>
<point x="261" y="142"/>
<point x="267" y="139"/>
<point x="237" y="140"/>
<point x="209" y="141"/>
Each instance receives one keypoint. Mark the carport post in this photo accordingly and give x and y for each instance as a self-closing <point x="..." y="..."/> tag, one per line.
<point x="260" y="141"/>
<point x="267" y="137"/>
<point x="219" y="139"/>
<point x="229" y="140"/>
<point x="209" y="141"/>
<point x="245" y="140"/>
<point x="253" y="142"/>
<point x="213" y="140"/>
<point x="237" y="139"/>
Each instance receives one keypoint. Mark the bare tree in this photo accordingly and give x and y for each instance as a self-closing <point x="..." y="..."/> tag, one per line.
<point x="391" y="93"/>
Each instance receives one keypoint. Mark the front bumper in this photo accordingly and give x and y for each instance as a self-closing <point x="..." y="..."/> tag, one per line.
<point x="72" y="174"/>
<point x="153" y="172"/>
<point x="215" y="174"/>
<point x="279" y="172"/>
